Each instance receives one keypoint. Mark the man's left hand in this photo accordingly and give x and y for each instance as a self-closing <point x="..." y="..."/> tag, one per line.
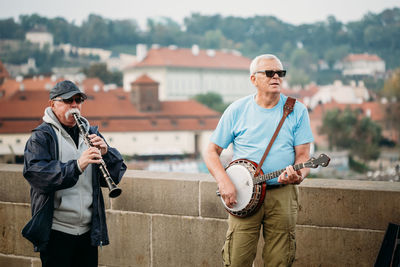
<point x="98" y="142"/>
<point x="290" y="176"/>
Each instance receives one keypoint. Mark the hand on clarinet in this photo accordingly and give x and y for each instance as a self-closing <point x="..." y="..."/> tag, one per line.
<point x="98" y="142"/>
<point x="91" y="155"/>
<point x="290" y="176"/>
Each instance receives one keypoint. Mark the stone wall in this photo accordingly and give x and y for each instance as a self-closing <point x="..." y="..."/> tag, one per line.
<point x="175" y="219"/>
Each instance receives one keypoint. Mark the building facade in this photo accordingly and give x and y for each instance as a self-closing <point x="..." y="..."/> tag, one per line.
<point x="183" y="73"/>
<point x="363" y="65"/>
<point x="137" y="123"/>
<point x="40" y="37"/>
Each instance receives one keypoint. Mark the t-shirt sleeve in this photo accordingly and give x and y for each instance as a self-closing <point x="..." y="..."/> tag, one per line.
<point x="223" y="134"/>
<point x="303" y="133"/>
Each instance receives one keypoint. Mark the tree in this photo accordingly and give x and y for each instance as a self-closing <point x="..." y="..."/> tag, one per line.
<point x="337" y="125"/>
<point x="100" y="71"/>
<point x="367" y="137"/>
<point x="299" y="77"/>
<point x="347" y="129"/>
<point x="94" y="32"/>
<point x="10" y="30"/>
<point x="215" y="40"/>
<point x="163" y="31"/>
<point x="391" y="90"/>
<point x="211" y="100"/>
<point x="199" y="24"/>
<point x="335" y="54"/>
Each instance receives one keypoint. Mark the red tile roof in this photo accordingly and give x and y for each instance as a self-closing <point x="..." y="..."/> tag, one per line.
<point x="144" y="79"/>
<point x="362" y="57"/>
<point x="112" y="111"/>
<point x="3" y="72"/>
<point x="375" y="109"/>
<point x="10" y="86"/>
<point x="91" y="84"/>
<point x="183" y="57"/>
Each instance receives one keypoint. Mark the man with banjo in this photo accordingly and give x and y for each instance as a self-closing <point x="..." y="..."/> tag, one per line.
<point x="250" y="125"/>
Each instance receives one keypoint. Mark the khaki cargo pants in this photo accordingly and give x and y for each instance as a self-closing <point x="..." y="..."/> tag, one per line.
<point x="278" y="215"/>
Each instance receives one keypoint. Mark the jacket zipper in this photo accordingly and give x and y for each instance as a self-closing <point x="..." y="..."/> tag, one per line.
<point x="98" y="209"/>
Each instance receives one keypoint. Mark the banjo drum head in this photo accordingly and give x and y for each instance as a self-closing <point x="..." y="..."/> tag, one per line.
<point x="243" y="181"/>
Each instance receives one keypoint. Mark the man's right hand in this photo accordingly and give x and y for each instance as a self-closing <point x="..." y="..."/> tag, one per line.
<point x="228" y="192"/>
<point x="91" y="155"/>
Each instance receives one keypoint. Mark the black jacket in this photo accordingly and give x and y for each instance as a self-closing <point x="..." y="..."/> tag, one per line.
<point x="46" y="174"/>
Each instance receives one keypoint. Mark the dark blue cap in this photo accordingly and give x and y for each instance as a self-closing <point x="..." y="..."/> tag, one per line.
<point x="65" y="89"/>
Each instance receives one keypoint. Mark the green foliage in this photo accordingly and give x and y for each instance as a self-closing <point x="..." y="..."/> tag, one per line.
<point x="373" y="84"/>
<point x="164" y="31"/>
<point x="11" y="30"/>
<point x="392" y="85"/>
<point x="298" y="77"/>
<point x="367" y="137"/>
<point x="18" y="55"/>
<point x="357" y="166"/>
<point x="45" y="60"/>
<point x="347" y="129"/>
<point x="214" y="39"/>
<point x="391" y="90"/>
<point x="211" y="100"/>
<point x="338" y="125"/>
<point x="325" y="77"/>
<point x="336" y="53"/>
<point x="100" y="71"/>
<point x="300" y="47"/>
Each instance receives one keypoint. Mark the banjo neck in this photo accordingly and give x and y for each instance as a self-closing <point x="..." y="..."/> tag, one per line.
<point x="265" y="177"/>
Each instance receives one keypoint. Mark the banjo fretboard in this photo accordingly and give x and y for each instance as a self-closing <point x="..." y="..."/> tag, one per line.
<point x="265" y="177"/>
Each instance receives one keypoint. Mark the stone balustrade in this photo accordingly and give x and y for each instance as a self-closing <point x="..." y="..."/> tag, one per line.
<point x="175" y="219"/>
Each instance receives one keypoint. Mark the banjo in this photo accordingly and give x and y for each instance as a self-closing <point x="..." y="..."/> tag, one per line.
<point x="251" y="190"/>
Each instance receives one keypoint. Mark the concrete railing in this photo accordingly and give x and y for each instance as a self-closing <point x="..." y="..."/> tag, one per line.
<point x="175" y="219"/>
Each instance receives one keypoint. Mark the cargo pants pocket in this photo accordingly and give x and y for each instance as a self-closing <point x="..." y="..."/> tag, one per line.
<point x="227" y="249"/>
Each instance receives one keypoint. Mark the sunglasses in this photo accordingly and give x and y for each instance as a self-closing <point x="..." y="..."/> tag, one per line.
<point x="78" y="100"/>
<point x="271" y="73"/>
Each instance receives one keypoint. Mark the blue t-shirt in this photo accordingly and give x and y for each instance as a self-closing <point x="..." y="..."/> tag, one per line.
<point x="250" y="128"/>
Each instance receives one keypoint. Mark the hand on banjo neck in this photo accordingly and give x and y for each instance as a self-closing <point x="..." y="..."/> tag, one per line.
<point x="290" y="176"/>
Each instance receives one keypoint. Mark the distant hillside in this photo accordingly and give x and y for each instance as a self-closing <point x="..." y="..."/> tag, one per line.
<point x="300" y="47"/>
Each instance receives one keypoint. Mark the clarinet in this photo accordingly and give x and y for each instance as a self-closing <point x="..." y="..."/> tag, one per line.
<point x="114" y="190"/>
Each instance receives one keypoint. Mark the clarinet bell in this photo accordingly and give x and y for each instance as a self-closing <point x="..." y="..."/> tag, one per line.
<point x="115" y="192"/>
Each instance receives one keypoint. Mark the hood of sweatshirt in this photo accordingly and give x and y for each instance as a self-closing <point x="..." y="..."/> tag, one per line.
<point x="51" y="118"/>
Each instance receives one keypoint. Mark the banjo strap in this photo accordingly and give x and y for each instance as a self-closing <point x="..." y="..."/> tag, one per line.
<point x="287" y="109"/>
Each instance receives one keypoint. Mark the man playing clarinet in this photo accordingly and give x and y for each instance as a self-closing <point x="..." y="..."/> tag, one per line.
<point x="68" y="215"/>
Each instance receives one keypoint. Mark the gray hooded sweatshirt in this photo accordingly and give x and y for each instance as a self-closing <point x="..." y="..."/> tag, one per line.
<point x="72" y="206"/>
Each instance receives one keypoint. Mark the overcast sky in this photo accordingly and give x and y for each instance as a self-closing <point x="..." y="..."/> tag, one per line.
<point x="291" y="11"/>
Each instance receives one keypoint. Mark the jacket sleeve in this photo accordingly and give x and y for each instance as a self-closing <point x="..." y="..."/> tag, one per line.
<point x="41" y="169"/>
<point x="115" y="164"/>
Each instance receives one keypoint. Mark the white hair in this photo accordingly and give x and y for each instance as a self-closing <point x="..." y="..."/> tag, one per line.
<point x="256" y="60"/>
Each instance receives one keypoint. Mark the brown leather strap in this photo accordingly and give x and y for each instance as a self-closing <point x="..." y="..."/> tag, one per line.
<point x="287" y="109"/>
